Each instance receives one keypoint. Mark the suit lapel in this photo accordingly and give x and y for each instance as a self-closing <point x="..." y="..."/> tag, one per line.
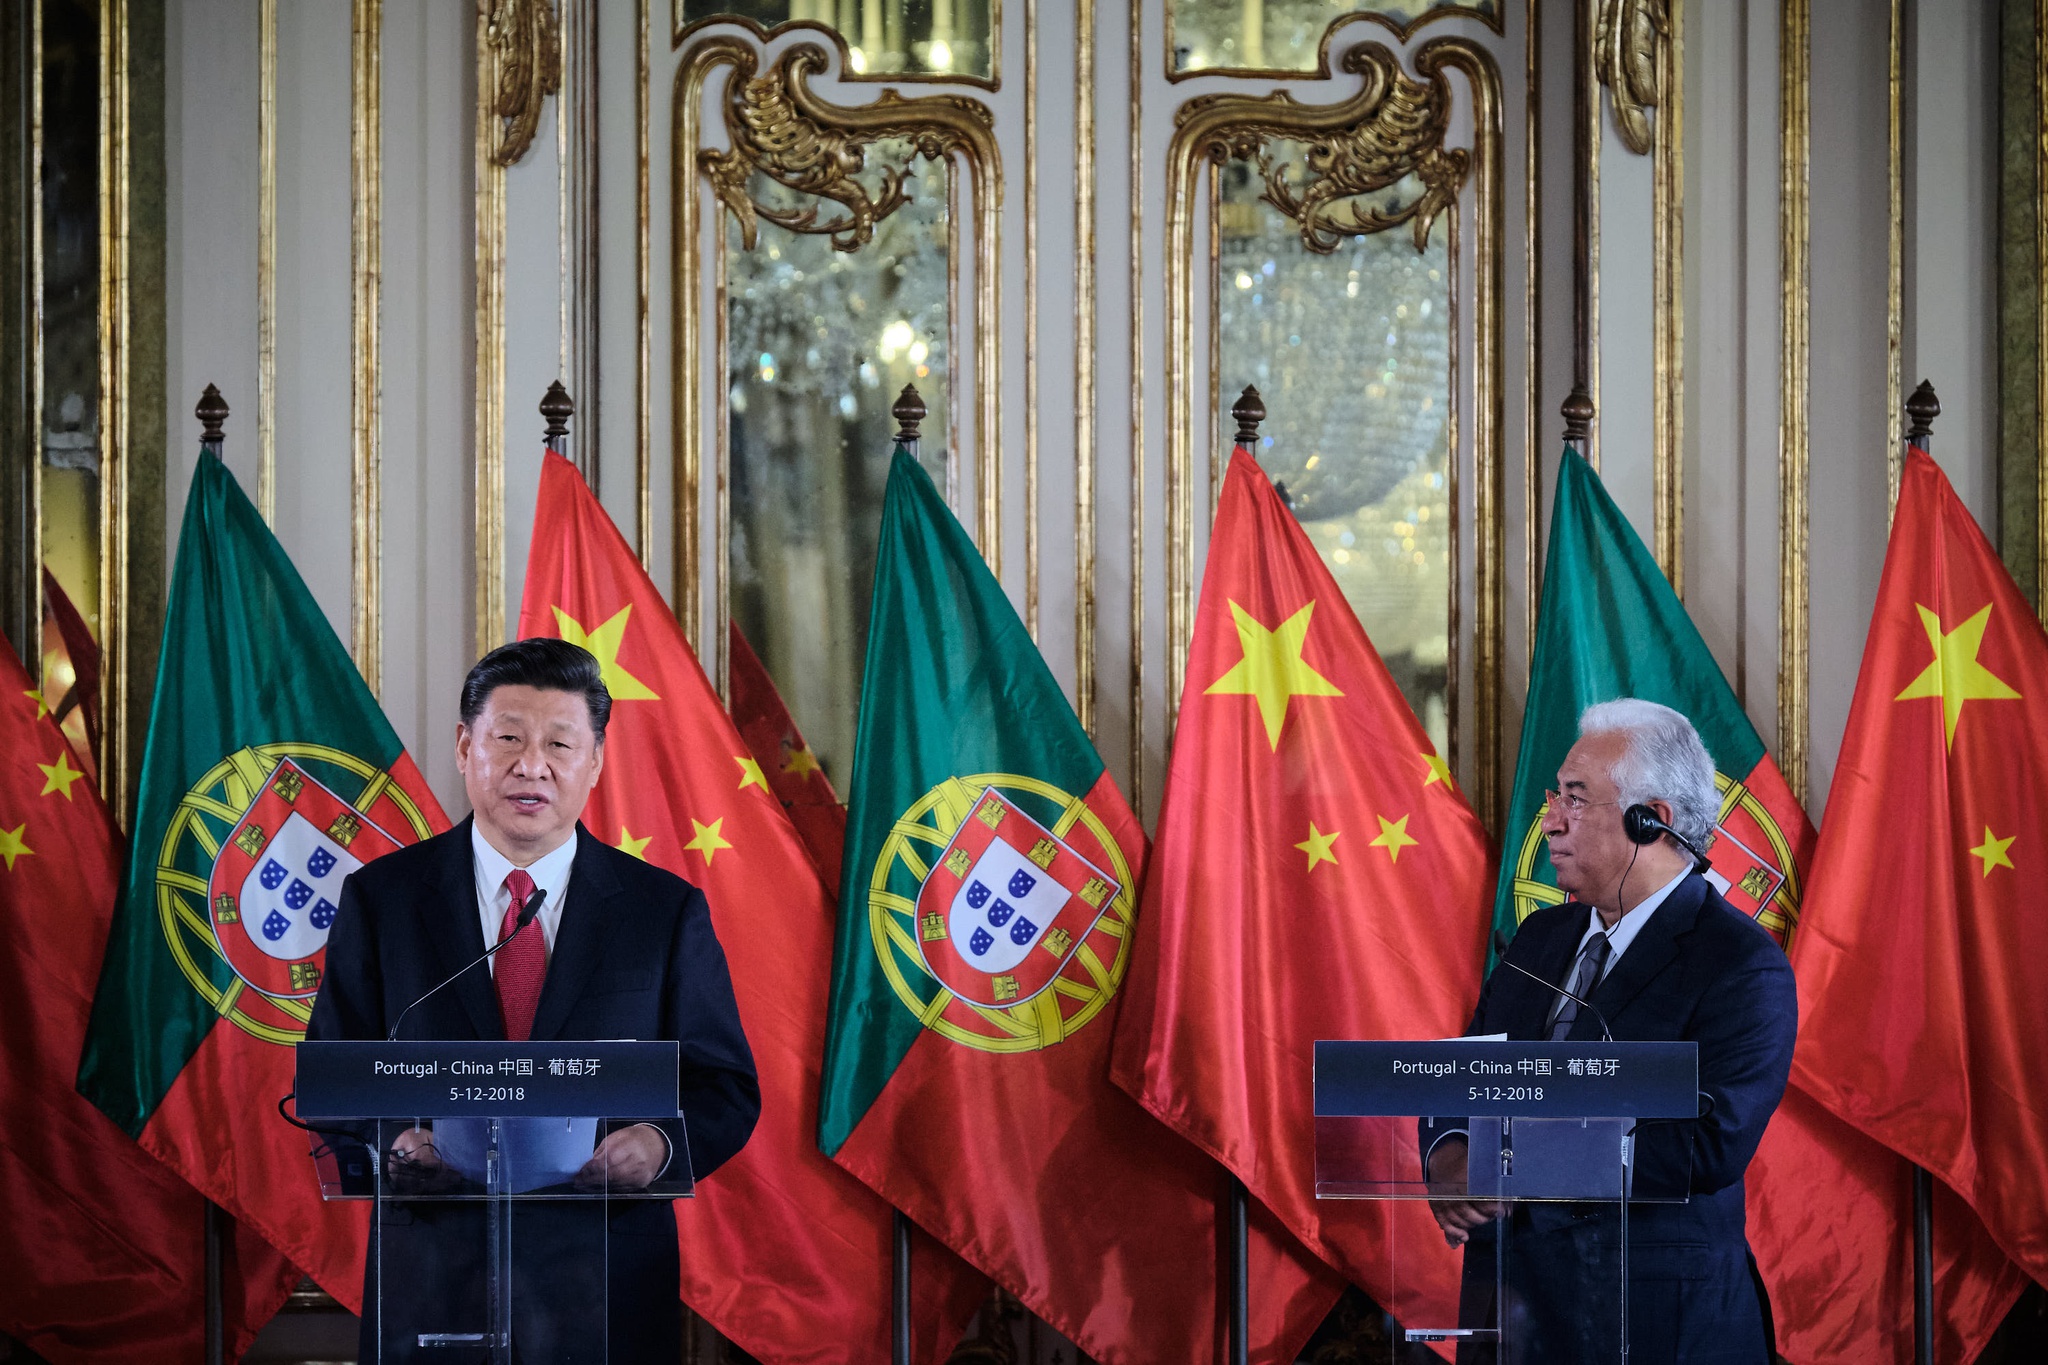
<point x="450" y="916"/>
<point x="1654" y="949"/>
<point x="587" y="920"/>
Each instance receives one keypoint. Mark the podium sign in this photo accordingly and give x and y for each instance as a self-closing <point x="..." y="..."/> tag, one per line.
<point x="492" y="1219"/>
<point x="1548" y="1144"/>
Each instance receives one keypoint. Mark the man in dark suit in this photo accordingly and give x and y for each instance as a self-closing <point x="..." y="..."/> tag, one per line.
<point x="1651" y="945"/>
<point x="620" y="950"/>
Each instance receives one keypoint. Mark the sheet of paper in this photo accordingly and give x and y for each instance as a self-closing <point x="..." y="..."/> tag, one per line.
<point x="535" y="1152"/>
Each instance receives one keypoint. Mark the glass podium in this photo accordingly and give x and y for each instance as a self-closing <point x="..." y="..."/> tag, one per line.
<point x="493" y="1220"/>
<point x="1519" y="1164"/>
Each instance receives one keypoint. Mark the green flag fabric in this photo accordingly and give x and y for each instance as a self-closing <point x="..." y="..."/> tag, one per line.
<point x="268" y="775"/>
<point x="1610" y="626"/>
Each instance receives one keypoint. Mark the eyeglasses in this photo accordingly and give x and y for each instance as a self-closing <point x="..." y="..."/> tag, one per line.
<point x="1572" y="804"/>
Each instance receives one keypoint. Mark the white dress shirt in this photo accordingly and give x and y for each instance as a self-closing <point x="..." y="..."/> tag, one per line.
<point x="550" y="873"/>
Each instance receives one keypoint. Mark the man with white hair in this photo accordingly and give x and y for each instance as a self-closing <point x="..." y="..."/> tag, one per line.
<point x="1648" y="942"/>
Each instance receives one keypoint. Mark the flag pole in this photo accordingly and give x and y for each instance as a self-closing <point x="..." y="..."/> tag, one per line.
<point x="909" y="411"/>
<point x="1249" y="410"/>
<point x="212" y="412"/>
<point x="1921" y="410"/>
<point x="557" y="408"/>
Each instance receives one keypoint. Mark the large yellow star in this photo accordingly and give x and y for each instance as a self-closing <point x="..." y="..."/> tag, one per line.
<point x="12" y="847"/>
<point x="1317" y="845"/>
<point x="1439" y="771"/>
<point x="1955" y="675"/>
<point x="802" y="761"/>
<point x="1393" y="837"/>
<point x="1993" y="851"/>
<point x="636" y="847"/>
<point x="1272" y="669"/>
<point x="750" y="773"/>
<point x="58" y="776"/>
<point x="36" y="696"/>
<point x="707" y="840"/>
<point x="604" y="643"/>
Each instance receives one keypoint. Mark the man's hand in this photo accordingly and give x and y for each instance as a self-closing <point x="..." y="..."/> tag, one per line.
<point x="1455" y="1214"/>
<point x="628" y="1159"/>
<point x="415" y="1166"/>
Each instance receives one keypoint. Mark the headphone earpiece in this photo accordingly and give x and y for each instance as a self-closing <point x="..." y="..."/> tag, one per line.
<point x="1641" y="825"/>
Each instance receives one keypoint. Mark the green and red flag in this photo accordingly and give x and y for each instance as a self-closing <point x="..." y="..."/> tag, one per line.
<point x="783" y="1252"/>
<point x="268" y="776"/>
<point x="1923" y="954"/>
<point x="987" y="919"/>
<point x="1828" y="1209"/>
<point x="99" y="1262"/>
<point x="1316" y="875"/>
<point x="792" y="770"/>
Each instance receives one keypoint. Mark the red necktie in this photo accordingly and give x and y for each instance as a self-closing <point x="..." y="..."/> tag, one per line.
<point x="519" y="969"/>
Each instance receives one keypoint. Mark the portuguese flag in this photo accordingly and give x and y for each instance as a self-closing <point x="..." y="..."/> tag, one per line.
<point x="987" y="918"/>
<point x="782" y="1251"/>
<point x="1829" y="1209"/>
<point x="269" y="775"/>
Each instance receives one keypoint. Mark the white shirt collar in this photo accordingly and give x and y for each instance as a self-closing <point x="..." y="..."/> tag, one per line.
<point x="1629" y="925"/>
<point x="550" y="873"/>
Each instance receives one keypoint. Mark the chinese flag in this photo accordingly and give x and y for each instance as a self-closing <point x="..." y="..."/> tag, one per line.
<point x="1922" y="954"/>
<point x="782" y="1251"/>
<point x="1316" y="875"/>
<point x="791" y="769"/>
<point x="101" y="1258"/>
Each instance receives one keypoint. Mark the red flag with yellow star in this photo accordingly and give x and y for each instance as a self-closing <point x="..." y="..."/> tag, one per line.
<point x="100" y="1260"/>
<point x="783" y="1252"/>
<point x="792" y="770"/>
<point x="1922" y="954"/>
<point x="1316" y="875"/>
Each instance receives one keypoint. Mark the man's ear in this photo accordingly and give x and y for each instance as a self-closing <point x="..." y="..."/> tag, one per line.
<point x="462" y="740"/>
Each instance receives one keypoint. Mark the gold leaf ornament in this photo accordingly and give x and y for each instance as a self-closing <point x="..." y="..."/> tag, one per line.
<point x="1625" y="42"/>
<point x="524" y="38"/>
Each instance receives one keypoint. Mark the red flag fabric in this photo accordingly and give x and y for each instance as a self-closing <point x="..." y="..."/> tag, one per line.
<point x="792" y="770"/>
<point x="1922" y="954"/>
<point x="101" y="1258"/>
<point x="1316" y="875"/>
<point x="782" y="1251"/>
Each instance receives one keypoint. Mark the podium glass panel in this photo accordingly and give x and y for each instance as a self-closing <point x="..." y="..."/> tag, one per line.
<point x="1513" y="1236"/>
<point x="495" y="1235"/>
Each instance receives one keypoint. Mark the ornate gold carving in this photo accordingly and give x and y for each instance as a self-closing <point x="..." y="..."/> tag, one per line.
<point x="1391" y="129"/>
<point x="524" y="42"/>
<point x="781" y="129"/>
<point x="1625" y="51"/>
<point x="1794" y="280"/>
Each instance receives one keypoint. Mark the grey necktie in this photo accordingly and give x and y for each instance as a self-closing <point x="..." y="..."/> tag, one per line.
<point x="1592" y="959"/>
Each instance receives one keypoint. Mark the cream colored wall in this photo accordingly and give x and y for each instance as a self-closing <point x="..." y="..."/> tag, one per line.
<point x="1732" y="304"/>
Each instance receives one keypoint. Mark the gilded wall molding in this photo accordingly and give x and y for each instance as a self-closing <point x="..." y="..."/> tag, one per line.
<point x="366" y="134"/>
<point x="1794" y="127"/>
<point x="118" y="752"/>
<point x="1393" y="127"/>
<point x="686" y="29"/>
<point x="524" y="41"/>
<point x="266" y="259"/>
<point x="1323" y="69"/>
<point x="1629" y="54"/>
<point x="777" y="125"/>
<point x="1667" y="304"/>
<point x="1136" y="75"/>
<point x="1084" y="364"/>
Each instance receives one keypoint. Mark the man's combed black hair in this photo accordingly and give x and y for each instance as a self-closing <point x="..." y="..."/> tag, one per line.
<point x="543" y="662"/>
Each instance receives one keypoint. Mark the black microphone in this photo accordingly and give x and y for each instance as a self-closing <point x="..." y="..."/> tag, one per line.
<point x="1500" y="950"/>
<point x="526" y="914"/>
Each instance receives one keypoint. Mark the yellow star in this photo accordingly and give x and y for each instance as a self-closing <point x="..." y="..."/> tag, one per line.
<point x="42" y="707"/>
<point x="1393" y="837"/>
<point x="1272" y="669"/>
<point x="12" y="847"/>
<point x="1439" y="771"/>
<point x="636" y="847"/>
<point x="802" y="761"/>
<point x="1993" y="851"/>
<point x="1955" y="675"/>
<point x="1317" y="845"/>
<point x="58" y="776"/>
<point x="750" y="773"/>
<point x="604" y="642"/>
<point x="708" y="840"/>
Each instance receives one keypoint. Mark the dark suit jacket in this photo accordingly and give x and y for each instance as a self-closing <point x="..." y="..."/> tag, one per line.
<point x="1698" y="971"/>
<point x="634" y="958"/>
